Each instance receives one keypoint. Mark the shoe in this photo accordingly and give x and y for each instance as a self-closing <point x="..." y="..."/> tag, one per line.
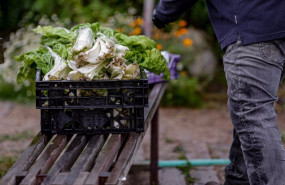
<point x="212" y="183"/>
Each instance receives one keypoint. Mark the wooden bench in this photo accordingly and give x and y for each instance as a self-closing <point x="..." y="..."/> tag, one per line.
<point x="79" y="159"/>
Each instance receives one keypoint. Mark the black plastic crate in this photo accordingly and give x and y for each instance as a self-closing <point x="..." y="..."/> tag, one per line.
<point x="91" y="107"/>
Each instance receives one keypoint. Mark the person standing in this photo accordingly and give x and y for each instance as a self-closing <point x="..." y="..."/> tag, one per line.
<point x="252" y="33"/>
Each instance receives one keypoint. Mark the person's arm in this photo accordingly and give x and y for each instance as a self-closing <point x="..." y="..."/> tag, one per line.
<point x="167" y="11"/>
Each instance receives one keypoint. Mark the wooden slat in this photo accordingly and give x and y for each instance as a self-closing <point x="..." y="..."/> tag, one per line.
<point x="47" y="158"/>
<point x="126" y="157"/>
<point x="54" y="157"/>
<point x="67" y="159"/>
<point x="60" y="178"/>
<point x="81" y="178"/>
<point x="124" y="160"/>
<point x="87" y="158"/>
<point x="154" y="100"/>
<point x="26" y="159"/>
<point x="105" y="159"/>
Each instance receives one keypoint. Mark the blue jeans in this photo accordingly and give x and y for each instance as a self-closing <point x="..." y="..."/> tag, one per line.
<point x="253" y="74"/>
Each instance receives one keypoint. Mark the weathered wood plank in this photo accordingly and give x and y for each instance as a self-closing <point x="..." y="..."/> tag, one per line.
<point x="26" y="159"/>
<point x="48" y="157"/>
<point x="87" y="158"/>
<point x="105" y="158"/>
<point x="126" y="157"/>
<point x="124" y="160"/>
<point x="60" y="178"/>
<point x="55" y="155"/>
<point x="154" y="100"/>
<point x="67" y="159"/>
<point x="81" y="178"/>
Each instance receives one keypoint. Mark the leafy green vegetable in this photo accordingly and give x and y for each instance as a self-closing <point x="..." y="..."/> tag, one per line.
<point x="75" y="53"/>
<point x="156" y="63"/>
<point x="136" y="42"/>
<point x="65" y="51"/>
<point x="96" y="28"/>
<point x="59" y="39"/>
<point x="151" y="60"/>
<point x="60" y="34"/>
<point x="143" y="51"/>
<point x="40" y="58"/>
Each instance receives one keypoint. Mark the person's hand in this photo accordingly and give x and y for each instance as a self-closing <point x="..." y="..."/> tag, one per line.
<point x="157" y="22"/>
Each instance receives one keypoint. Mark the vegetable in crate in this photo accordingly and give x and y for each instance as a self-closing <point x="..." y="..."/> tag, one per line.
<point x="90" y="52"/>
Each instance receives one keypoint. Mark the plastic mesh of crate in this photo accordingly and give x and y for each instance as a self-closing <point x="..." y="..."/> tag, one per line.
<point x="91" y="107"/>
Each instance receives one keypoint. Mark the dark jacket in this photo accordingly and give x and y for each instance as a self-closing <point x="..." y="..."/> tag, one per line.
<point x="254" y="20"/>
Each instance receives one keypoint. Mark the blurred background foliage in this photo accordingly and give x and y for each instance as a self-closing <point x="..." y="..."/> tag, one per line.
<point x="18" y="13"/>
<point x="182" y="37"/>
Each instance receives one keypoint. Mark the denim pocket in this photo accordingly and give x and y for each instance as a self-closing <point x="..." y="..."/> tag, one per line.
<point x="271" y="53"/>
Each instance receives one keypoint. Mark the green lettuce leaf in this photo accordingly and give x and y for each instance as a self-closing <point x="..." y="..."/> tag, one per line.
<point x="151" y="60"/>
<point x="39" y="58"/>
<point x="61" y="34"/>
<point x="143" y="51"/>
<point x="59" y="39"/>
<point x="135" y="42"/>
<point x="108" y="32"/>
<point x="156" y="63"/>
<point x="96" y="28"/>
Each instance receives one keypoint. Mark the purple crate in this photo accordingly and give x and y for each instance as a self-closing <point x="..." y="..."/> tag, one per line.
<point x="172" y="60"/>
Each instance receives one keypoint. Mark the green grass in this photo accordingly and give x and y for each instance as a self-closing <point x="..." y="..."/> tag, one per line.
<point x="185" y="170"/>
<point x="179" y="149"/>
<point x="5" y="163"/>
<point x="17" y="136"/>
<point x="169" y="140"/>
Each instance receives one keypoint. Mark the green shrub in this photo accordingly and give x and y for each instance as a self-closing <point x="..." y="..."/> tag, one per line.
<point x="184" y="91"/>
<point x="21" y="94"/>
<point x="72" y="11"/>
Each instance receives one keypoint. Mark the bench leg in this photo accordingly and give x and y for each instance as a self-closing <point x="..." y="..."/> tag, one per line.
<point x="154" y="150"/>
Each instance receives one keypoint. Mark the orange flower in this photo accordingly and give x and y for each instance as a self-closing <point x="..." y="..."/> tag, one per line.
<point x="139" y="21"/>
<point x="137" y="31"/>
<point x="177" y="33"/>
<point x="133" y="24"/>
<point x="183" y="31"/>
<point x="120" y="30"/>
<point x="159" y="46"/>
<point x="188" y="42"/>
<point x="182" y="23"/>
